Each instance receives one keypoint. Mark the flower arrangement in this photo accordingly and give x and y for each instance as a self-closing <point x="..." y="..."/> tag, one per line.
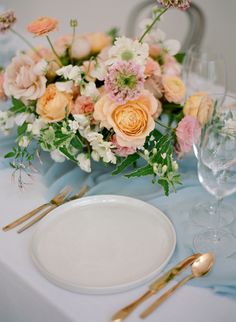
<point x="99" y="97"/>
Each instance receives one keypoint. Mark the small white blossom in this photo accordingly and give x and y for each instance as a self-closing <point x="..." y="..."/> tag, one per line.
<point x="95" y="156"/>
<point x="23" y="142"/>
<point x="64" y="86"/>
<point x="175" y="165"/>
<point x="157" y="36"/>
<point x="146" y="153"/>
<point x="20" y="118"/>
<point x="164" y="169"/>
<point x="99" y="71"/>
<point x="163" y="155"/>
<point x="90" y="90"/>
<point x="73" y="125"/>
<point x="36" y="127"/>
<point x="7" y="121"/>
<point x="82" y="120"/>
<point x="84" y="162"/>
<point x="70" y="72"/>
<point x="57" y="156"/>
<point x="128" y="49"/>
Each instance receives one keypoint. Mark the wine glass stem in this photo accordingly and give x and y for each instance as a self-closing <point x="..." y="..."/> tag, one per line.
<point x="216" y="218"/>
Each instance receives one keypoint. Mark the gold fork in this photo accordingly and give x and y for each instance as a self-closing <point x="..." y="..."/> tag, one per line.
<point x="51" y="204"/>
<point x="80" y="194"/>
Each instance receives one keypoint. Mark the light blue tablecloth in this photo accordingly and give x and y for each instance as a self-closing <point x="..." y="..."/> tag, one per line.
<point x="222" y="279"/>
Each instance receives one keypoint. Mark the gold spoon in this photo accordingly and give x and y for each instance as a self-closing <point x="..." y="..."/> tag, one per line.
<point x="201" y="266"/>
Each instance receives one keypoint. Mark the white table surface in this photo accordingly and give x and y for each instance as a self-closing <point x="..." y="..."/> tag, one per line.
<point x="26" y="296"/>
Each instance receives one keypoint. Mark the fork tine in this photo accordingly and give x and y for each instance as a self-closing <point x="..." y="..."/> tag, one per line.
<point x="56" y="199"/>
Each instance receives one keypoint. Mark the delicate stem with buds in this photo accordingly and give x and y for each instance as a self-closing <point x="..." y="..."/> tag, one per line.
<point x="54" y="52"/>
<point x="25" y="41"/>
<point x="149" y="28"/>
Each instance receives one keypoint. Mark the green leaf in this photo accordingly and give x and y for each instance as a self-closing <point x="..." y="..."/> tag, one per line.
<point x="147" y="170"/>
<point x="63" y="140"/>
<point x="165" y="186"/>
<point x="9" y="155"/>
<point x="77" y="143"/>
<point x="18" y="106"/>
<point x="126" y="163"/>
<point x="180" y="57"/>
<point x="22" y="129"/>
<point x="64" y="151"/>
<point x="113" y="33"/>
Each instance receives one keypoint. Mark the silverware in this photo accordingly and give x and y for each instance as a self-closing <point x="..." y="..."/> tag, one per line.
<point x="155" y="287"/>
<point x="80" y="194"/>
<point x="200" y="267"/>
<point x="54" y="201"/>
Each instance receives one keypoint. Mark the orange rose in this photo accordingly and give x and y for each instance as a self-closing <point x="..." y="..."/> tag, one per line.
<point x="132" y="121"/>
<point x="42" y="26"/>
<point x="174" y="88"/>
<point x="98" y="41"/>
<point x="54" y="105"/>
<point x="199" y="105"/>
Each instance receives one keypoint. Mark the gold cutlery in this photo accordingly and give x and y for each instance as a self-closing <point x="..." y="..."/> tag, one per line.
<point x="200" y="267"/>
<point x="155" y="287"/>
<point x="54" y="201"/>
<point x="80" y="194"/>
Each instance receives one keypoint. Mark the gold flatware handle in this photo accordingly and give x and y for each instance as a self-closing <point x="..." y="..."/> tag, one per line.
<point x="80" y="194"/>
<point x="39" y="217"/>
<point x="155" y="287"/>
<point x="25" y="217"/>
<point x="173" y="272"/>
<point x="165" y="296"/>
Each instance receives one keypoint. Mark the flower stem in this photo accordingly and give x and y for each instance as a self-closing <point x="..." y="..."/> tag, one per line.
<point x="25" y="41"/>
<point x="71" y="45"/>
<point x="54" y="52"/>
<point x="163" y="125"/>
<point x="148" y="29"/>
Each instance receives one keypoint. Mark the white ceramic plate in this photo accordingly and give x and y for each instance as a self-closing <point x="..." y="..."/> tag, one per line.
<point x="103" y="244"/>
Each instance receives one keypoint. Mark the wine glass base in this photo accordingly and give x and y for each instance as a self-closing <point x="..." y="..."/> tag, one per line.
<point x="203" y="214"/>
<point x="219" y="242"/>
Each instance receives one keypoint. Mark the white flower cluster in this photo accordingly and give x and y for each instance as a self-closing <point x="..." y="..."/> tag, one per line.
<point x="7" y="121"/>
<point x="70" y="72"/>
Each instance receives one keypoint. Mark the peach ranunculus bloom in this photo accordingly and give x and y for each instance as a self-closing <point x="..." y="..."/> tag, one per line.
<point x="3" y="96"/>
<point x="132" y="121"/>
<point x="83" y="105"/>
<point x="154" y="85"/>
<point x="54" y="105"/>
<point x="174" y="89"/>
<point x="24" y="79"/>
<point x="200" y="105"/>
<point x="42" y="26"/>
<point x="98" y="41"/>
<point x="171" y="66"/>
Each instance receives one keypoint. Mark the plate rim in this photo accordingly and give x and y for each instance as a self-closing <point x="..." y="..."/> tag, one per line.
<point x="96" y="290"/>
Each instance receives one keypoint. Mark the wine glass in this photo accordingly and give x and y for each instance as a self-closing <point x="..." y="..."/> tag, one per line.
<point x="204" y="71"/>
<point x="203" y="212"/>
<point x="217" y="174"/>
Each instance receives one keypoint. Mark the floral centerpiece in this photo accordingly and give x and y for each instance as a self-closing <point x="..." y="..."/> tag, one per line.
<point x="99" y="97"/>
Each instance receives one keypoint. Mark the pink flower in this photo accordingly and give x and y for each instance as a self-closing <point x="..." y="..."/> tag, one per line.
<point x="124" y="81"/>
<point x="122" y="151"/>
<point x="24" y="79"/>
<point x="171" y="66"/>
<point x="3" y="96"/>
<point x="152" y="67"/>
<point x="80" y="46"/>
<point x="83" y="105"/>
<point x="187" y="132"/>
<point x="42" y="26"/>
<point x="180" y="4"/>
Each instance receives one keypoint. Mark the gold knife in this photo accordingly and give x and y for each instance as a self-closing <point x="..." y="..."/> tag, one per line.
<point x="155" y="287"/>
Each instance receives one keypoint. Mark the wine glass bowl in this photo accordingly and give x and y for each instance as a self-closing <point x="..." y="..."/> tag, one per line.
<point x="217" y="174"/>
